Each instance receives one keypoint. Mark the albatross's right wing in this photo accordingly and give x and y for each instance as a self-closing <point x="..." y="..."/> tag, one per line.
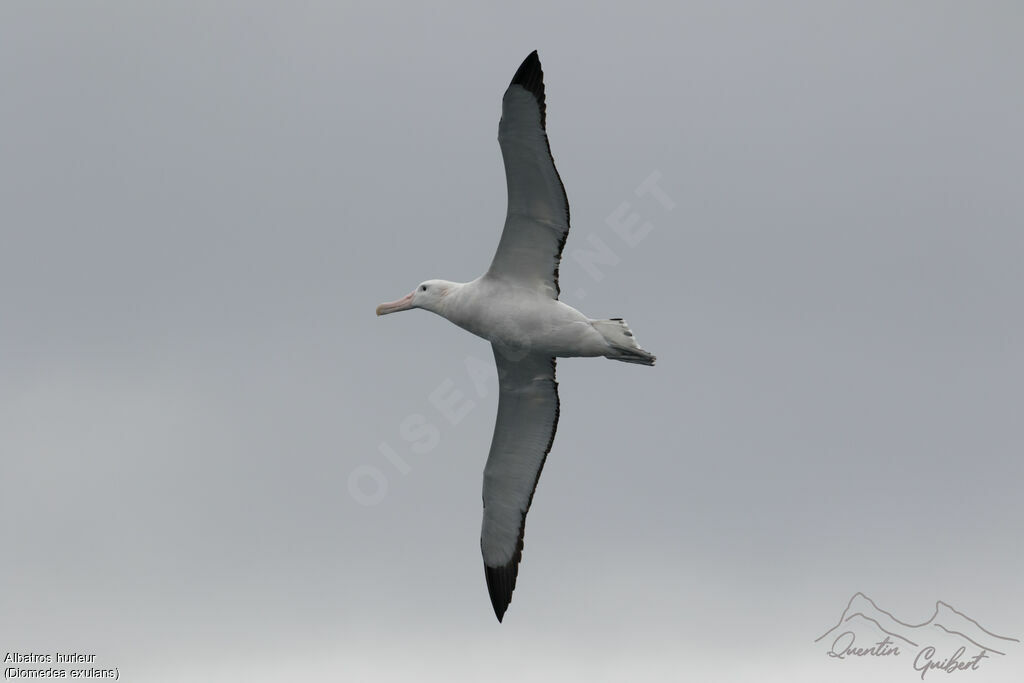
<point x="523" y="434"/>
<point x="537" y="222"/>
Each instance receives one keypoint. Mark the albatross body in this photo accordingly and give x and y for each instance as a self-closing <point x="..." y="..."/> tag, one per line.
<point x="511" y="316"/>
<point x="515" y="306"/>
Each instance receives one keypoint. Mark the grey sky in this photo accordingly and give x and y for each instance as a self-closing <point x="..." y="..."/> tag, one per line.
<point x="203" y="202"/>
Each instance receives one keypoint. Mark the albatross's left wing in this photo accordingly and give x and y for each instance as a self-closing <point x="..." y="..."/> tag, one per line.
<point x="537" y="222"/>
<point x="523" y="433"/>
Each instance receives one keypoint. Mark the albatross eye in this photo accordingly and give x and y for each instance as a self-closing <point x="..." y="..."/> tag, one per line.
<point x="423" y="288"/>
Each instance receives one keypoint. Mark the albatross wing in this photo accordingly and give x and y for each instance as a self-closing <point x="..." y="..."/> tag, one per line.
<point x="537" y="222"/>
<point x="523" y="434"/>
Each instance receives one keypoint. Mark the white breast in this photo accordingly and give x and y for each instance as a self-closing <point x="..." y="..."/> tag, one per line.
<point x="521" y="318"/>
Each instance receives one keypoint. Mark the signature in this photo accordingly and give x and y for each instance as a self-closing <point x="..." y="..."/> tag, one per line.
<point x="843" y="647"/>
<point x="949" y="641"/>
<point x="924" y="661"/>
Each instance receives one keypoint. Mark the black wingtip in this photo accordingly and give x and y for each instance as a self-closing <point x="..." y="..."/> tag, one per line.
<point x="531" y="77"/>
<point x="530" y="65"/>
<point x="501" y="581"/>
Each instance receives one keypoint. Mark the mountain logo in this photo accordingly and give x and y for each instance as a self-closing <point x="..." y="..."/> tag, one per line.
<point x="949" y="641"/>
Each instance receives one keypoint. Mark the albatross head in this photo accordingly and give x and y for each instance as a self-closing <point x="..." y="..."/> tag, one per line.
<point x="428" y="295"/>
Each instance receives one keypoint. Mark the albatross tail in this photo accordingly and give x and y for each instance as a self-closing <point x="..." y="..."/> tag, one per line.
<point x="622" y="344"/>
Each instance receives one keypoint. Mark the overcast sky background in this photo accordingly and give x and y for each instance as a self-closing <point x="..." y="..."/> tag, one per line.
<point x="202" y="203"/>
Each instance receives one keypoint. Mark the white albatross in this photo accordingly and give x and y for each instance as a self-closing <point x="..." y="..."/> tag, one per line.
<point x="515" y="306"/>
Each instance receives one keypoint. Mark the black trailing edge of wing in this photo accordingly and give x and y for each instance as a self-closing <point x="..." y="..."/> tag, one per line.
<point x="531" y="77"/>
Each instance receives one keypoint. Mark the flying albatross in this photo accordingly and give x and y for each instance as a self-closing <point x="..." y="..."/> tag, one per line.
<point x="515" y="306"/>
